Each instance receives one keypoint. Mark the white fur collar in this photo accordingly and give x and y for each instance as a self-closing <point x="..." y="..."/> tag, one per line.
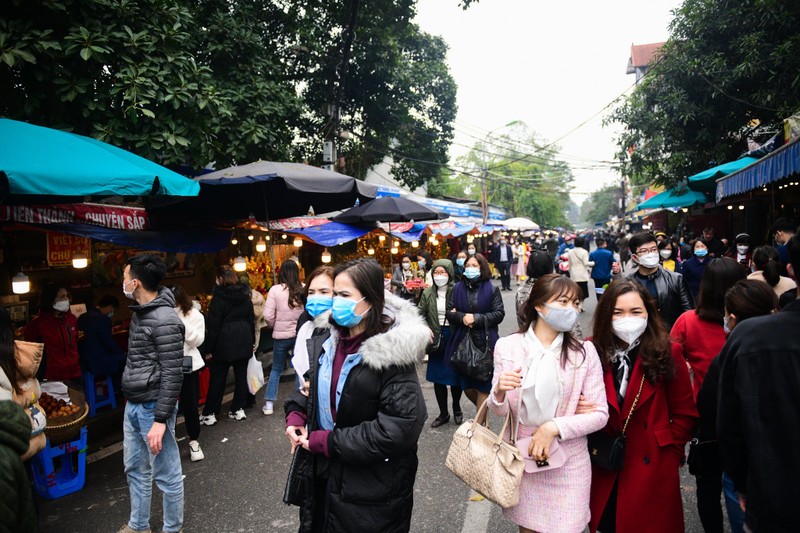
<point x="404" y="344"/>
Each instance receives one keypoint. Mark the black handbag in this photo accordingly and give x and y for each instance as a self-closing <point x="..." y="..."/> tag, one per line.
<point x="298" y="482"/>
<point x="436" y="344"/>
<point x="608" y="451"/>
<point x="703" y="458"/>
<point x="472" y="361"/>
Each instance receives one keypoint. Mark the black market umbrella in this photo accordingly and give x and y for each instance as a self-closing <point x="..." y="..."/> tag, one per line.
<point x="389" y="209"/>
<point x="267" y="190"/>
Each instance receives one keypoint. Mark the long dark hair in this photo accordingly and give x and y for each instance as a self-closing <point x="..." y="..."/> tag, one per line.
<point x="767" y="260"/>
<point x="655" y="348"/>
<point x="486" y="272"/>
<point x="750" y="298"/>
<point x="547" y="288"/>
<point x="289" y="275"/>
<point x="182" y="299"/>
<point x="539" y="264"/>
<point x="718" y="277"/>
<point x="367" y="276"/>
<point x="8" y="361"/>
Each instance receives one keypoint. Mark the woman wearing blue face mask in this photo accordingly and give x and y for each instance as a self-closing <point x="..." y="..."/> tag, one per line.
<point x="319" y="298"/>
<point x="459" y="262"/>
<point x="694" y="266"/>
<point x="477" y="308"/>
<point x="364" y="411"/>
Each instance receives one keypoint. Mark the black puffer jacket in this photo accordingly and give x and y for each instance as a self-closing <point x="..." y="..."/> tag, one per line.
<point x="370" y="474"/>
<point x="155" y="352"/>
<point x="16" y="505"/>
<point x="231" y="324"/>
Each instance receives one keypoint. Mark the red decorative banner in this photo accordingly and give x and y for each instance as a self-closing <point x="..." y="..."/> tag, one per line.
<point x="61" y="248"/>
<point x="108" y="216"/>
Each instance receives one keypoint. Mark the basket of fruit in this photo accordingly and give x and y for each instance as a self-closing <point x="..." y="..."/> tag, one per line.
<point x="64" y="420"/>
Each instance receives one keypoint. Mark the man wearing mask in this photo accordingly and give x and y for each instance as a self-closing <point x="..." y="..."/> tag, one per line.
<point x="783" y="230"/>
<point x="152" y="383"/>
<point x="669" y="289"/>
<point x="716" y="248"/>
<point x="100" y="353"/>
<point x="502" y="256"/>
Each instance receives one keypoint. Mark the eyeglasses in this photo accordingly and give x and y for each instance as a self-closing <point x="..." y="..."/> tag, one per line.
<point x="643" y="251"/>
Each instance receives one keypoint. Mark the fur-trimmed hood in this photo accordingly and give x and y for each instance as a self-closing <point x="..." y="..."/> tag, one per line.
<point x="402" y="345"/>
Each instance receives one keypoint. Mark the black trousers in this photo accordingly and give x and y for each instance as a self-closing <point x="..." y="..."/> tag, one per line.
<point x="190" y="391"/>
<point x="504" y="268"/>
<point x="216" y="385"/>
<point x="709" y="506"/>
<point x="441" y="398"/>
<point x="584" y="285"/>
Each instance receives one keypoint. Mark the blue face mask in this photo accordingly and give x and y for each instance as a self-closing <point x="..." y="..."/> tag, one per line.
<point x="343" y="312"/>
<point x="702" y="252"/>
<point x="460" y="261"/>
<point x="421" y="263"/>
<point x="318" y="303"/>
<point x="472" y="272"/>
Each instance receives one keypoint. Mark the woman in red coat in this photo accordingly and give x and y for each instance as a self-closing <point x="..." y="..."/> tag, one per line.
<point x="57" y="328"/>
<point x="640" y="361"/>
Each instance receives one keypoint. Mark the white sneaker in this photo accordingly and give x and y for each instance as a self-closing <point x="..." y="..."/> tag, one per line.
<point x="238" y="415"/>
<point x="195" y="451"/>
<point x="208" y="420"/>
<point x="267" y="409"/>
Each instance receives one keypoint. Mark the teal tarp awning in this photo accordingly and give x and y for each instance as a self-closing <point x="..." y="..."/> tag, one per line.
<point x="673" y="198"/>
<point x="39" y="161"/>
<point x="706" y="181"/>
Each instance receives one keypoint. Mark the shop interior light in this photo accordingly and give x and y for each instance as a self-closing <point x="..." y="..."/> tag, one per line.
<point x="240" y="264"/>
<point x="685" y="209"/>
<point x="261" y="246"/>
<point x="470" y="239"/>
<point x="730" y="207"/>
<point x="415" y="244"/>
<point x="284" y="236"/>
<point x="741" y="208"/>
<point x="20" y="284"/>
<point x="298" y="242"/>
<point x="393" y="250"/>
<point x="326" y="256"/>
<point x="764" y="189"/>
<point x="434" y="241"/>
<point x="234" y="241"/>
<point x="381" y="238"/>
<point x="396" y="244"/>
<point x="371" y="251"/>
<point x="250" y="237"/>
<point x="79" y="260"/>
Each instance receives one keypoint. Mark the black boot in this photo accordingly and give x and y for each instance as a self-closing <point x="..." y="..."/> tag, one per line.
<point x="440" y="420"/>
<point x="458" y="418"/>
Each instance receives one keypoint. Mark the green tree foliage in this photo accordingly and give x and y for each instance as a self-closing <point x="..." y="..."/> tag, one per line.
<point x="523" y="175"/>
<point x="729" y="71"/>
<point x="230" y="81"/>
<point x="601" y="205"/>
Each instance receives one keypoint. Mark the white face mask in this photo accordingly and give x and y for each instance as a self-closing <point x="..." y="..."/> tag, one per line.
<point x="406" y="266"/>
<point x="471" y="251"/>
<point x="441" y="281"/>
<point x="127" y="294"/>
<point x="629" y="328"/>
<point x="742" y="249"/>
<point x="62" y="306"/>
<point x="648" y="260"/>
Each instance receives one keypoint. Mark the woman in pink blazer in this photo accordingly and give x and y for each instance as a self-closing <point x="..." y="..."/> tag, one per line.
<point x="541" y="373"/>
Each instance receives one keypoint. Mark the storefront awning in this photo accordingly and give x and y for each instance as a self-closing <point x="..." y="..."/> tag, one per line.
<point x="778" y="165"/>
<point x="673" y="198"/>
<point x="706" y="181"/>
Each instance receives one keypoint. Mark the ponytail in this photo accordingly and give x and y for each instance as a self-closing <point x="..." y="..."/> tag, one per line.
<point x="772" y="272"/>
<point x="766" y="260"/>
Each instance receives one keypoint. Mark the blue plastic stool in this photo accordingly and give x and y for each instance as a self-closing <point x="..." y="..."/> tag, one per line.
<point x="60" y="470"/>
<point x="94" y="400"/>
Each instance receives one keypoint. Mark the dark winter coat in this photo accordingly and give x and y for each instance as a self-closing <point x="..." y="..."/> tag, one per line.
<point x="758" y="421"/>
<point x="649" y="488"/>
<point x="485" y="318"/>
<point x="673" y="294"/>
<point x="100" y="353"/>
<point x="373" y="448"/>
<point x="231" y="324"/>
<point x="16" y="505"/>
<point x="155" y="353"/>
<point x="693" y="269"/>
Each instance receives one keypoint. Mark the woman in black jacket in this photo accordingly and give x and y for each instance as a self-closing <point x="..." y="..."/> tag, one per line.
<point x="363" y="413"/>
<point x="477" y="310"/>
<point x="230" y="341"/>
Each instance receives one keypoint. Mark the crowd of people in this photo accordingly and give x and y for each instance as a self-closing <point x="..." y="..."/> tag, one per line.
<point x="682" y="350"/>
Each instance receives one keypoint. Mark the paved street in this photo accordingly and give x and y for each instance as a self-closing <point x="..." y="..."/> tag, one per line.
<point x="238" y="487"/>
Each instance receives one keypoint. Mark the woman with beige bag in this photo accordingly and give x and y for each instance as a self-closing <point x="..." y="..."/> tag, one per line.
<point x="541" y="372"/>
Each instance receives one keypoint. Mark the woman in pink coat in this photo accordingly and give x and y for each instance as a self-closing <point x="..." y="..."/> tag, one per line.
<point x="541" y="373"/>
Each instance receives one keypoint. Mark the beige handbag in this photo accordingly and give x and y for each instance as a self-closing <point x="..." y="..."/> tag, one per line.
<point x="485" y="462"/>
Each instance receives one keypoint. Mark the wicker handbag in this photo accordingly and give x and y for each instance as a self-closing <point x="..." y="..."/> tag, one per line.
<point x="485" y="462"/>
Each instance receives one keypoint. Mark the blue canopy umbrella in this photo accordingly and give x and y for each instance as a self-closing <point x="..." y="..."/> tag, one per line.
<point x="706" y="181"/>
<point x="673" y="198"/>
<point x="43" y="165"/>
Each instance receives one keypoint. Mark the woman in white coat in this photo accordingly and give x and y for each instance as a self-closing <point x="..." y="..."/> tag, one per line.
<point x="580" y="267"/>
<point x="194" y="334"/>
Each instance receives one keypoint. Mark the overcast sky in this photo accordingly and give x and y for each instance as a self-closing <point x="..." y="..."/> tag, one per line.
<point x="552" y="65"/>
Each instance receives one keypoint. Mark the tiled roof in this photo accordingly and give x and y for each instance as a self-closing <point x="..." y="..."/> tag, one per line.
<point x="642" y="55"/>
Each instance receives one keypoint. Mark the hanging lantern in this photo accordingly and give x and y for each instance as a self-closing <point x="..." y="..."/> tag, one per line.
<point x="79" y="260"/>
<point x="298" y="242"/>
<point x="234" y="241"/>
<point x="470" y="239"/>
<point x="415" y="244"/>
<point x="393" y="250"/>
<point x="434" y="241"/>
<point x="239" y="264"/>
<point x="381" y="238"/>
<point x="250" y="237"/>
<point x="284" y="236"/>
<point x="20" y="284"/>
<point x="396" y="244"/>
<point x="371" y="251"/>
<point x="261" y="246"/>
<point x="326" y="256"/>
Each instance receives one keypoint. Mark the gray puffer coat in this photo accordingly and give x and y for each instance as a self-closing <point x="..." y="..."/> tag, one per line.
<point x="155" y="353"/>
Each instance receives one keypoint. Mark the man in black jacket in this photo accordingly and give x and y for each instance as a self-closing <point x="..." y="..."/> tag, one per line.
<point x="152" y="382"/>
<point x="502" y="255"/>
<point x="758" y="421"/>
<point x="667" y="288"/>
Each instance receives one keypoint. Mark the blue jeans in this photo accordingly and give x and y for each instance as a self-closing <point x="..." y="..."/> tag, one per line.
<point x="280" y="351"/>
<point x="142" y="467"/>
<point x="735" y="513"/>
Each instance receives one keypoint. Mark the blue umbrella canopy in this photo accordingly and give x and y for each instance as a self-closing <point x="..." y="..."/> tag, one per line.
<point x="43" y="162"/>
<point x="706" y="181"/>
<point x="673" y="198"/>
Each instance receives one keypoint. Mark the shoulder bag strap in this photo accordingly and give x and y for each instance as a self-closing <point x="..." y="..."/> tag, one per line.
<point x="633" y="407"/>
